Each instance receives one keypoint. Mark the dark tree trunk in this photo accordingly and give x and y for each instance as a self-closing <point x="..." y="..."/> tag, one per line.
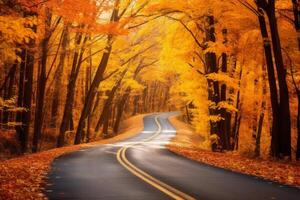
<point x="25" y="97"/>
<point x="297" y="20"/>
<point x="226" y="121"/>
<point x="93" y="90"/>
<point x="42" y="79"/>
<point x="67" y="120"/>
<point x="272" y="84"/>
<point x="109" y="102"/>
<point x="284" y="105"/>
<point x="106" y="123"/>
<point x="211" y="67"/>
<point x="97" y="79"/>
<point x="8" y="91"/>
<point x="298" y="128"/>
<point x="105" y="112"/>
<point x="87" y="87"/>
<point x="120" y="110"/>
<point x="23" y="137"/>
<point x="97" y="102"/>
<point x="135" y="105"/>
<point x="105" y="106"/>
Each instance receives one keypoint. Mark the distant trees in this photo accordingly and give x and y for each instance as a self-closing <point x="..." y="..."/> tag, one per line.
<point x="50" y="82"/>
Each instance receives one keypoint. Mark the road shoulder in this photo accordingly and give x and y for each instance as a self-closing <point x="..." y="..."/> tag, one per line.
<point x="284" y="172"/>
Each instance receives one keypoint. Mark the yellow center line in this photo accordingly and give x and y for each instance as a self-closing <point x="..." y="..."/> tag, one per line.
<point x="163" y="187"/>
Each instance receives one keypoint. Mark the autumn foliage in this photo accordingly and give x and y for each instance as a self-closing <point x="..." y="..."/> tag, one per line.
<point x="72" y="70"/>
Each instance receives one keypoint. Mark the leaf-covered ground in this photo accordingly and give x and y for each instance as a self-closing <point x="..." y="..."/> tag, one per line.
<point x="279" y="171"/>
<point x="24" y="177"/>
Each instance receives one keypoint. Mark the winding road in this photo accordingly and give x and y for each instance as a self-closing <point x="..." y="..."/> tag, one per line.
<point x="142" y="168"/>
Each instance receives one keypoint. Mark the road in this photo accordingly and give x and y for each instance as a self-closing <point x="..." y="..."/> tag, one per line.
<point x="142" y="168"/>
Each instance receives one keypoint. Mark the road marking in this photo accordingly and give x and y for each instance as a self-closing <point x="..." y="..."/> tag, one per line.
<point x="111" y="152"/>
<point x="163" y="187"/>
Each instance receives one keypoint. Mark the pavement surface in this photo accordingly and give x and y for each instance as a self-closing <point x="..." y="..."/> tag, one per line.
<point x="142" y="168"/>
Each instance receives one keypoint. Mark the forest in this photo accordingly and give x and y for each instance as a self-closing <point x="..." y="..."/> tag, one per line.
<point x="72" y="70"/>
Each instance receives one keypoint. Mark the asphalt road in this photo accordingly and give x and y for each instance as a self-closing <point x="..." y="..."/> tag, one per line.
<point x="142" y="168"/>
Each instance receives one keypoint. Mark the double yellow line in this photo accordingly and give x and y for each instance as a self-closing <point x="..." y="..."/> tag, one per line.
<point x="163" y="187"/>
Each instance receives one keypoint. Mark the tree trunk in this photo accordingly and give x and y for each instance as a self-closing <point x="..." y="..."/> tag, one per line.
<point x="93" y="90"/>
<point x="8" y="91"/>
<point x="297" y="20"/>
<point x="225" y="122"/>
<point x="120" y="109"/>
<point x="108" y="103"/>
<point x="98" y="78"/>
<point x="262" y="113"/>
<point x="284" y="105"/>
<point x="67" y="119"/>
<point x="188" y="117"/>
<point x="145" y="92"/>
<point x="59" y="76"/>
<point x="272" y="84"/>
<point x="298" y="128"/>
<point x="135" y="105"/>
<point x="211" y="67"/>
<point x="106" y="122"/>
<point x="88" y="78"/>
<point x="25" y="97"/>
<point x="258" y="134"/>
<point x="39" y="110"/>
<point x="237" y="117"/>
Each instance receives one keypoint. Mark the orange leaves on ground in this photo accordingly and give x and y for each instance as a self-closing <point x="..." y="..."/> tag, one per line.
<point x="24" y="177"/>
<point x="284" y="172"/>
<point x="281" y="172"/>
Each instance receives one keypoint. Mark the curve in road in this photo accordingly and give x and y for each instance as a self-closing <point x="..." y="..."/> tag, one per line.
<point x="142" y="168"/>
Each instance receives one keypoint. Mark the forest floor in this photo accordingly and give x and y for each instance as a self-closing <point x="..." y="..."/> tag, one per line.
<point x="186" y="143"/>
<point x="23" y="177"/>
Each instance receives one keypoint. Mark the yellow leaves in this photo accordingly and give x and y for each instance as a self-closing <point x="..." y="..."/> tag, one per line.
<point x="228" y="107"/>
<point x="223" y="78"/>
<point x="14" y="31"/>
<point x="215" y="118"/>
<point x="217" y="47"/>
<point x="133" y="84"/>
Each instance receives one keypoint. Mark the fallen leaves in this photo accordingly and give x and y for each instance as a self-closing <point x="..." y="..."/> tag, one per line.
<point x="284" y="172"/>
<point x="279" y="171"/>
<point x="24" y="177"/>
